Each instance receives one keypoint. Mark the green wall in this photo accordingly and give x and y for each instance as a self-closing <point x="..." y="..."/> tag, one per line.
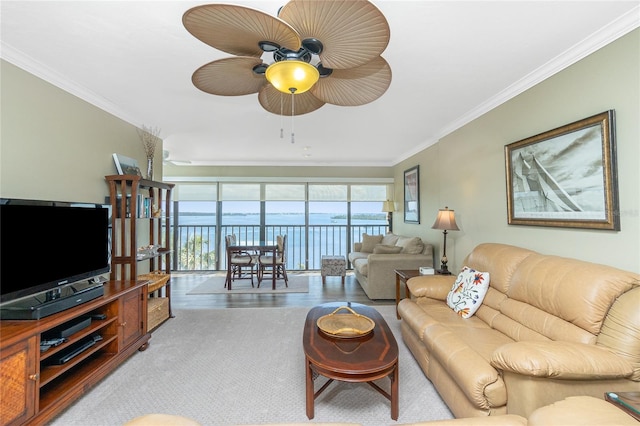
<point x="55" y="146"/>
<point x="466" y="169"/>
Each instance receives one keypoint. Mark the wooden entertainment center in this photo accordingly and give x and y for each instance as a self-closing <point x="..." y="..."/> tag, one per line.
<point x="38" y="381"/>
<point x="34" y="388"/>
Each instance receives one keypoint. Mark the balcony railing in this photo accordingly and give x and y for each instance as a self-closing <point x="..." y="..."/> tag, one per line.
<point x="198" y="247"/>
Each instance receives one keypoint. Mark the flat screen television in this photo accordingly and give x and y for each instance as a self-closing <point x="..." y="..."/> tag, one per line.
<point x="50" y="250"/>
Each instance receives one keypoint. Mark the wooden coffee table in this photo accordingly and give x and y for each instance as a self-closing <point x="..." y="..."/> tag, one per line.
<point x="359" y="359"/>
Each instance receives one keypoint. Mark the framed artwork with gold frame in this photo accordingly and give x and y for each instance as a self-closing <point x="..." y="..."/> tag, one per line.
<point x="565" y="177"/>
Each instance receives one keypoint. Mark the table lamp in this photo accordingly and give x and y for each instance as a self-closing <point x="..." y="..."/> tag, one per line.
<point x="446" y="221"/>
<point x="388" y="207"/>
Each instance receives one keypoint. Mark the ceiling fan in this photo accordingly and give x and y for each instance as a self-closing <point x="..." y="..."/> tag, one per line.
<point x="323" y="51"/>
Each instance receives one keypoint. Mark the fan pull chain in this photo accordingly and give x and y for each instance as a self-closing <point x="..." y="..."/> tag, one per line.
<point x="293" y="110"/>
<point x="281" y="116"/>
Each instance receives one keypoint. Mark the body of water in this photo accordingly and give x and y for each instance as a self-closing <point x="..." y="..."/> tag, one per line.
<point x="231" y="219"/>
<point x="325" y="235"/>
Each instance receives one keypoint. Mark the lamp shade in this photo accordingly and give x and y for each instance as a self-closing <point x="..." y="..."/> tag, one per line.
<point x="388" y="206"/>
<point x="446" y="220"/>
<point x="292" y="76"/>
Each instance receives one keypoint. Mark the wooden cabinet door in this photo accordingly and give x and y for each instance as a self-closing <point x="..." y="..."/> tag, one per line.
<point x="133" y="310"/>
<point x="18" y="378"/>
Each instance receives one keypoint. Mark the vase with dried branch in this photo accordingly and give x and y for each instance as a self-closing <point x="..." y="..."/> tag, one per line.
<point x="150" y="138"/>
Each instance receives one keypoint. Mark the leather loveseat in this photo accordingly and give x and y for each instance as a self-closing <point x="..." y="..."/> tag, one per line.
<point x="548" y="328"/>
<point x="572" y="411"/>
<point x="376" y="257"/>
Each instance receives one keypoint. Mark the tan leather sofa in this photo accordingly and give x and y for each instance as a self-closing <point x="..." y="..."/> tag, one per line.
<point x="374" y="261"/>
<point x="548" y="328"/>
<point x="572" y="411"/>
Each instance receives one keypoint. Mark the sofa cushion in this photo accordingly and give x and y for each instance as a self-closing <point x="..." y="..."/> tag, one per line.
<point x="483" y="258"/>
<point x="390" y="239"/>
<point x="361" y="265"/>
<point x="471" y="371"/>
<point x="386" y="249"/>
<point x="576" y="291"/>
<point x="357" y="255"/>
<point x="369" y="242"/>
<point x="410" y="245"/>
<point x="617" y="333"/>
<point x="560" y="360"/>
<point x="442" y="314"/>
<point x="468" y="291"/>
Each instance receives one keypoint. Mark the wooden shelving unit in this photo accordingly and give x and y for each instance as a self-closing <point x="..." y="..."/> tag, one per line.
<point x="135" y="200"/>
<point x="35" y="386"/>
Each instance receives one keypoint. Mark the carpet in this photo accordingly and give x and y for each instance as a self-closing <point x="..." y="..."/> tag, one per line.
<point x="244" y="366"/>
<point x="215" y="285"/>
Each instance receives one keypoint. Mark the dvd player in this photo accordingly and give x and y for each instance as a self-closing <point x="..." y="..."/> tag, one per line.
<point x="71" y="352"/>
<point x="68" y="328"/>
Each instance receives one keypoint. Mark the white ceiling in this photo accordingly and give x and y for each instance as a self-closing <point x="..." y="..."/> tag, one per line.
<point x="451" y="61"/>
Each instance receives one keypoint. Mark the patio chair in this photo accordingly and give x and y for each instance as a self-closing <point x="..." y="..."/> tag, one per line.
<point x="266" y="263"/>
<point x="240" y="262"/>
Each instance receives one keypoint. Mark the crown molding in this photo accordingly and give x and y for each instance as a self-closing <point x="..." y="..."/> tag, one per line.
<point x="608" y="34"/>
<point x="40" y="70"/>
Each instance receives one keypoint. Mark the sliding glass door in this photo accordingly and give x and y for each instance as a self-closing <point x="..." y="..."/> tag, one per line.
<point x="318" y="219"/>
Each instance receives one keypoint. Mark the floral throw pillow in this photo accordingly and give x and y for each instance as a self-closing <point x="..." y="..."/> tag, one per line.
<point x="468" y="292"/>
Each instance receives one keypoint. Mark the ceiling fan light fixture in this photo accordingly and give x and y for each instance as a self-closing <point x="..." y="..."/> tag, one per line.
<point x="292" y="76"/>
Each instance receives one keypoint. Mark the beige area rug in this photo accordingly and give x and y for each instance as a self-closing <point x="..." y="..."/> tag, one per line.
<point x="298" y="283"/>
<point x="244" y="366"/>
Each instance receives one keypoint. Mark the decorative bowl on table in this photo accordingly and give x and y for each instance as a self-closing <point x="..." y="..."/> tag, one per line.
<point x="345" y="325"/>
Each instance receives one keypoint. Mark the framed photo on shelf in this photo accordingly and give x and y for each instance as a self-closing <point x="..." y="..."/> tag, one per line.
<point x="412" y="195"/>
<point x="126" y="165"/>
<point x="565" y="177"/>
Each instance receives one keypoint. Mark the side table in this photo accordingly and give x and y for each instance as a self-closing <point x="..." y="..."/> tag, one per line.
<point x="629" y="402"/>
<point x="335" y="266"/>
<point x="403" y="275"/>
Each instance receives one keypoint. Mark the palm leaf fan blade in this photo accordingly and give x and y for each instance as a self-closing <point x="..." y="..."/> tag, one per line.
<point x="353" y="32"/>
<point x="229" y="77"/>
<point x="238" y="30"/>
<point x="355" y="86"/>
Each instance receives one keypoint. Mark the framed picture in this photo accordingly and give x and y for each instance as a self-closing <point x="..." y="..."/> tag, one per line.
<point x="126" y="165"/>
<point x="565" y="177"/>
<point x="412" y="195"/>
